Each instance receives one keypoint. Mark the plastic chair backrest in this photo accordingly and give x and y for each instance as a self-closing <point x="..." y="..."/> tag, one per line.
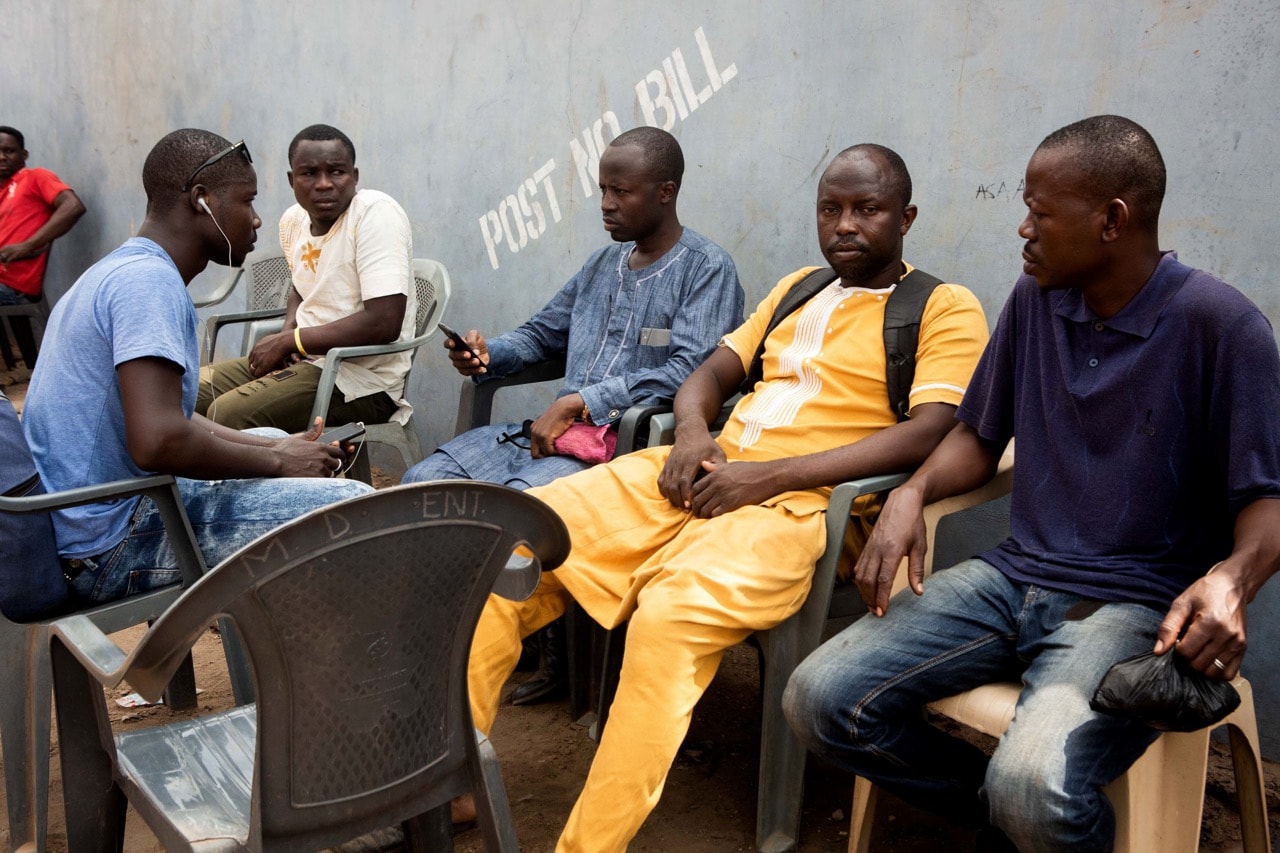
<point x="267" y="280"/>
<point x="432" y="284"/>
<point x="31" y="580"/>
<point x="358" y="619"/>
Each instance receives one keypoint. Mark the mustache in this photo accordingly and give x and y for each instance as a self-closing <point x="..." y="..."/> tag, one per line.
<point x="848" y="244"/>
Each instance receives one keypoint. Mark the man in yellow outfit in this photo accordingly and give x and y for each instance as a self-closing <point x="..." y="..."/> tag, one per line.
<point x="704" y="542"/>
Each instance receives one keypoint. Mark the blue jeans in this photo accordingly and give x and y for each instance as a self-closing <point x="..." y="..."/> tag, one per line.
<point x="478" y="455"/>
<point x="857" y="702"/>
<point x="9" y="296"/>
<point x="225" y="514"/>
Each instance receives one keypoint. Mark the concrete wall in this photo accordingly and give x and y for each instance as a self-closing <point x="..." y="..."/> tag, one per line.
<point x="484" y="120"/>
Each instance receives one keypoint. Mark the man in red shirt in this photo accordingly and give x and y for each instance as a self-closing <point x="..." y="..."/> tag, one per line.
<point x="36" y="208"/>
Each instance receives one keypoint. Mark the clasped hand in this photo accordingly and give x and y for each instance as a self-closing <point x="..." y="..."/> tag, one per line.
<point x="272" y="353"/>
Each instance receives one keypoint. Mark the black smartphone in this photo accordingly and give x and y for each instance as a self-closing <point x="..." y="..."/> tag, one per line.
<point x="342" y="434"/>
<point x="458" y="342"/>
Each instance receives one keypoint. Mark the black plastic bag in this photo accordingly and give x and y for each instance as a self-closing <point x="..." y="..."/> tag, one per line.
<point x="1164" y="692"/>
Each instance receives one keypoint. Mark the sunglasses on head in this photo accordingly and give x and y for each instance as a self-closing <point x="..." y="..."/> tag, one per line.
<point x="239" y="146"/>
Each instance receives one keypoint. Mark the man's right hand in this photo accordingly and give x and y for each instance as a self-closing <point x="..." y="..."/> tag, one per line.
<point x="898" y="533"/>
<point x="684" y="464"/>
<point x="464" y="363"/>
<point x="272" y="353"/>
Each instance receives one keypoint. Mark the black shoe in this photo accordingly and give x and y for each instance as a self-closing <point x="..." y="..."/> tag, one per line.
<point x="551" y="681"/>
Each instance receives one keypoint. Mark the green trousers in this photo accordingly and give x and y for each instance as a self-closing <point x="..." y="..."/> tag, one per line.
<point x="229" y="394"/>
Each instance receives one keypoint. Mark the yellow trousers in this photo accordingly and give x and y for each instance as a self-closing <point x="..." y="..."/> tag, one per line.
<point x="691" y="588"/>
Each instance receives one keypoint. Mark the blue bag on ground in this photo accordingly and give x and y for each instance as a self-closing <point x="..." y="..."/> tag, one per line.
<point x="31" y="580"/>
<point x="1164" y="692"/>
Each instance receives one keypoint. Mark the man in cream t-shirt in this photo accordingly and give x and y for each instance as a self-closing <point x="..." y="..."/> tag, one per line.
<point x="350" y="255"/>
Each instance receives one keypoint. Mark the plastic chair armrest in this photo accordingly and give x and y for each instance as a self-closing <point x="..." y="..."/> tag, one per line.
<point x="92" y="648"/>
<point x="813" y="613"/>
<point x="161" y="488"/>
<point x="475" y="402"/>
<point x="215" y="323"/>
<point x="634" y="422"/>
<point x="86" y="494"/>
<point x="662" y="426"/>
<point x="333" y="360"/>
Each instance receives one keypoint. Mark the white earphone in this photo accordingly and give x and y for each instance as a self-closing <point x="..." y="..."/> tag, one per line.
<point x="200" y="202"/>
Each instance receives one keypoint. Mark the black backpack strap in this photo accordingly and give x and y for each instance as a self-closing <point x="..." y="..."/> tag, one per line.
<point x="801" y="292"/>
<point x="902" y="315"/>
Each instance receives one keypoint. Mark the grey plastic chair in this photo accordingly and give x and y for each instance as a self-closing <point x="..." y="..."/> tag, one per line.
<point x="34" y="313"/>
<point x="267" y="282"/>
<point x="358" y="619"/>
<point x="24" y="646"/>
<point x="780" y="787"/>
<point x="432" y="288"/>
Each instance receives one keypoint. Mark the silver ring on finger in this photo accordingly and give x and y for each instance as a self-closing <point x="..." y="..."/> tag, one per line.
<point x="1222" y="667"/>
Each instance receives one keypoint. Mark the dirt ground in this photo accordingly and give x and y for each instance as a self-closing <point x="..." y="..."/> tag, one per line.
<point x="709" y="800"/>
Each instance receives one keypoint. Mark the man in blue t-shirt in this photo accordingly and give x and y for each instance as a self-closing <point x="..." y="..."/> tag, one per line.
<point x="1145" y="398"/>
<point x="114" y="391"/>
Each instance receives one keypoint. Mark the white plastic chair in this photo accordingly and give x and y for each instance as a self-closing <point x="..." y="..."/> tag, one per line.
<point x="432" y="285"/>
<point x="267" y="282"/>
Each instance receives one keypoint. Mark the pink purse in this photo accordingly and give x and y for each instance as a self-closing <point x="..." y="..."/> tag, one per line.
<point x="588" y="442"/>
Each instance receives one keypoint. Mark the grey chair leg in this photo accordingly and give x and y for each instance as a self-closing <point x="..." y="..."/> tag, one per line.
<point x="780" y="789"/>
<point x="238" y="668"/>
<point x="579" y="635"/>
<point x="493" y="810"/>
<point x="360" y="469"/>
<point x="614" y="645"/>
<point x="180" y="695"/>
<point x="95" y="806"/>
<point x="24" y="730"/>
<point x="429" y="833"/>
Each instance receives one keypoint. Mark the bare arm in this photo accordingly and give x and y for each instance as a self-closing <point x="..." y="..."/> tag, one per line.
<point x="963" y="461"/>
<point x="378" y="323"/>
<point x="67" y="210"/>
<point x="161" y="438"/>
<point x="1212" y="611"/>
<point x="292" y="302"/>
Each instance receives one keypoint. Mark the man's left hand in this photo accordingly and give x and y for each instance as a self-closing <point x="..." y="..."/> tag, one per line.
<point x="728" y="485"/>
<point x="1212" y="614"/>
<point x="18" y="251"/>
<point x="552" y="423"/>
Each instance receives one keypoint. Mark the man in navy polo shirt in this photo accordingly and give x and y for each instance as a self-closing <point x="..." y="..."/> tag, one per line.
<point x="1145" y="397"/>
